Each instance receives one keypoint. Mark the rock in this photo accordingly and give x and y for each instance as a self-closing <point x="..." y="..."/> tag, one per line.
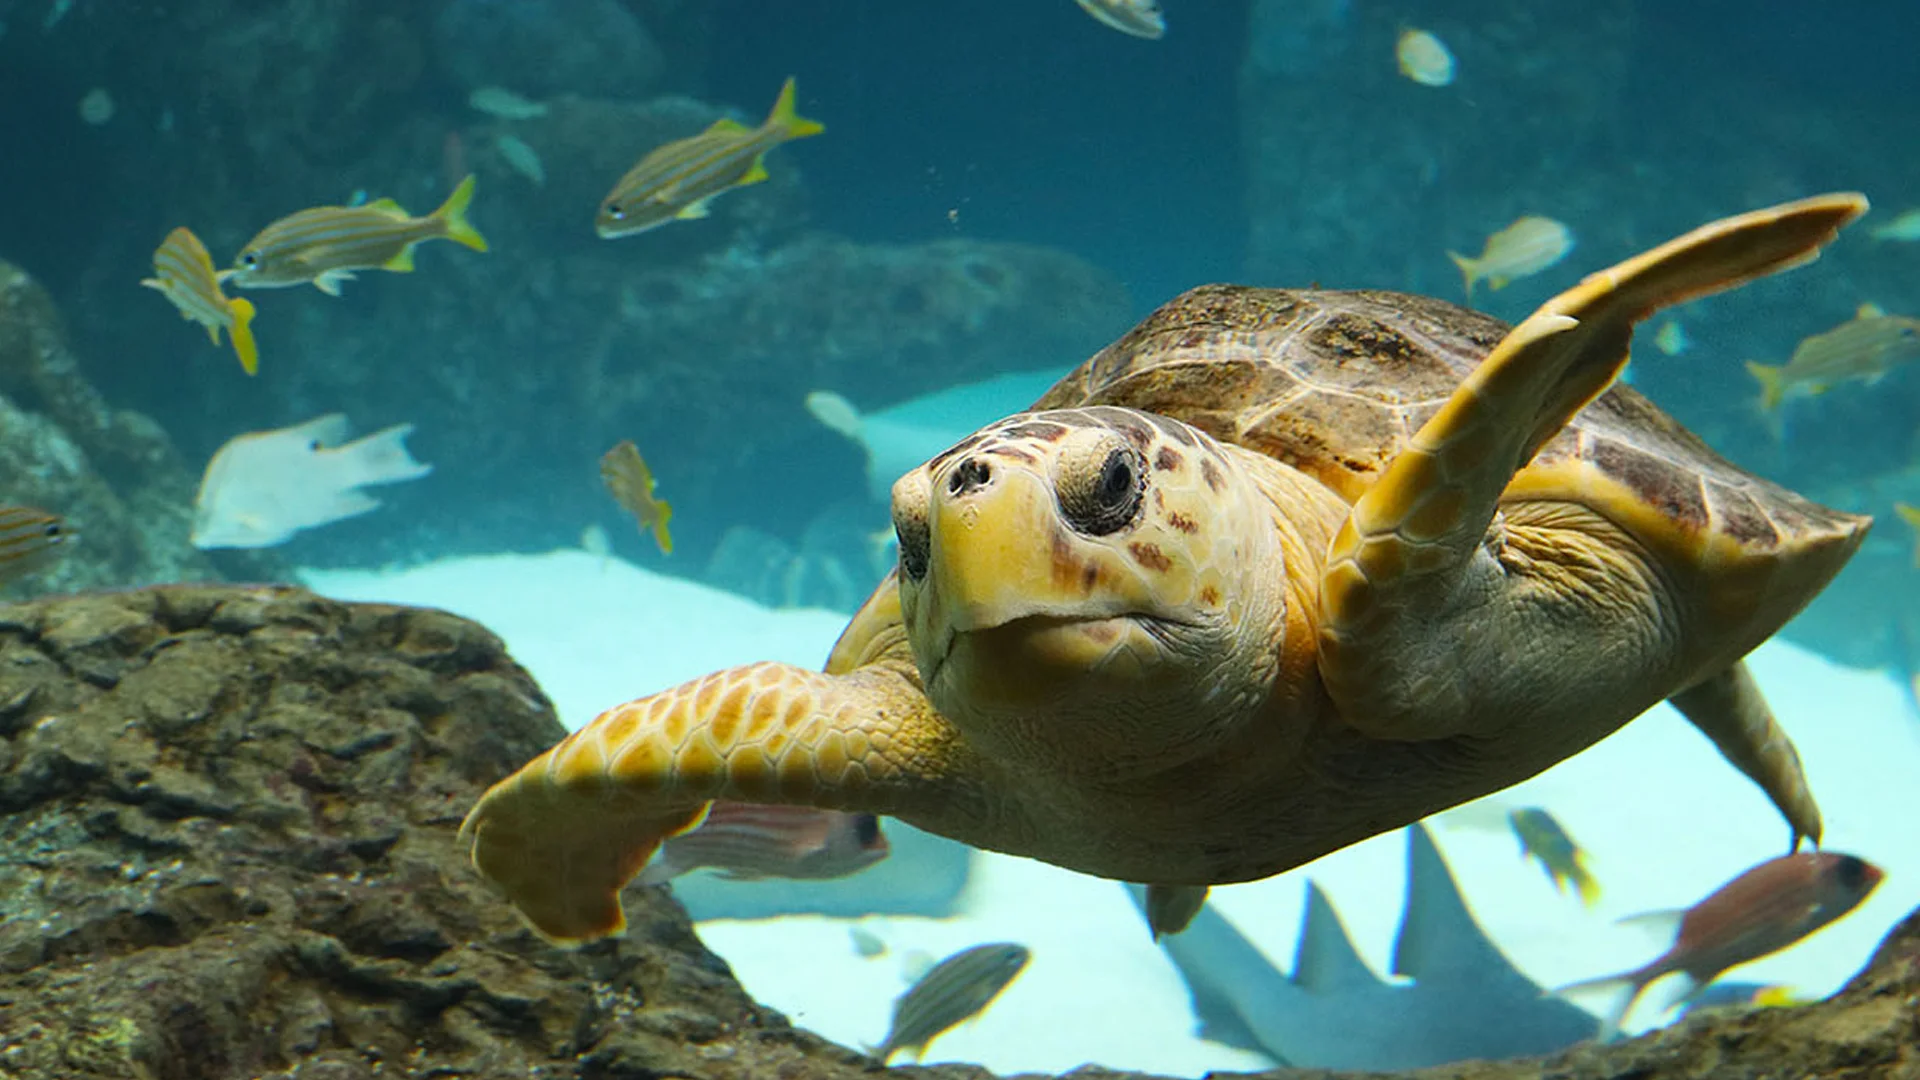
<point x="229" y="850"/>
<point x="112" y="473"/>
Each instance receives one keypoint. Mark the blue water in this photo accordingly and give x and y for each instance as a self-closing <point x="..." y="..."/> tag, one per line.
<point x="1002" y="188"/>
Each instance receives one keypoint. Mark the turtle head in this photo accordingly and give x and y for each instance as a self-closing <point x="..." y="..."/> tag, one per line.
<point x="1100" y="587"/>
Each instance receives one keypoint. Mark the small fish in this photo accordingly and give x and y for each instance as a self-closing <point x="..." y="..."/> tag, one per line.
<point x="504" y="103"/>
<point x="264" y="486"/>
<point x="1767" y="908"/>
<point x="1911" y="515"/>
<point x="1528" y="246"/>
<point x="749" y="840"/>
<point x="631" y="483"/>
<point x="183" y="272"/>
<point x="1564" y="861"/>
<point x="1905" y="227"/>
<point x="30" y="540"/>
<point x="955" y="989"/>
<point x="326" y="244"/>
<point x="835" y="412"/>
<point x="1671" y="338"/>
<point x="521" y="158"/>
<point x="678" y="180"/>
<point x="1424" y="58"/>
<point x="1141" y="18"/>
<point x="1864" y="347"/>
<point x="866" y="944"/>
<point x="1722" y="994"/>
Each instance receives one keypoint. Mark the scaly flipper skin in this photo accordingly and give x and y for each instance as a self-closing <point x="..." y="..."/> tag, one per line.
<point x="1421" y="556"/>
<point x="1729" y="709"/>
<point x="567" y="831"/>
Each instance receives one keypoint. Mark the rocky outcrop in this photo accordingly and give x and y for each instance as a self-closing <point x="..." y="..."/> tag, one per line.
<point x="228" y="850"/>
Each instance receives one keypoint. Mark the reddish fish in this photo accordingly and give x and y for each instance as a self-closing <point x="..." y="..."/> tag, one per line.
<point x="1762" y="911"/>
<point x="750" y="840"/>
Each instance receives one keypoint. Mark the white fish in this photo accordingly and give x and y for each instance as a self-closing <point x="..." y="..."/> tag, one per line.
<point x="264" y="486"/>
<point x="1141" y="18"/>
<point x="521" y="158"/>
<point x="1424" y="58"/>
<point x="1528" y="246"/>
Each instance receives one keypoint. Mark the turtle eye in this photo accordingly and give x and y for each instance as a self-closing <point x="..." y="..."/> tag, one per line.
<point x="1109" y="499"/>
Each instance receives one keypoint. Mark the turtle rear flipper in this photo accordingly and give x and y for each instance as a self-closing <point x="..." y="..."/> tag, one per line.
<point x="1729" y="709"/>
<point x="1427" y="629"/>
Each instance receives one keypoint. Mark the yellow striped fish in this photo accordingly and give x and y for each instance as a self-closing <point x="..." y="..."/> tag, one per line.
<point x="1528" y="246"/>
<point x="184" y="274"/>
<point x="677" y="180"/>
<point x="30" y="540"/>
<point x="955" y="989"/>
<point x="1865" y="347"/>
<point x="631" y="483"/>
<point x="326" y="244"/>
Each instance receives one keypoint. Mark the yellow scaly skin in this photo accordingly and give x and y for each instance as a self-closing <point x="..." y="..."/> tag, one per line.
<point x="1119" y="646"/>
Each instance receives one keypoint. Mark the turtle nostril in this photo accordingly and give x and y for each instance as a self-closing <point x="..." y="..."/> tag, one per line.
<point x="969" y="475"/>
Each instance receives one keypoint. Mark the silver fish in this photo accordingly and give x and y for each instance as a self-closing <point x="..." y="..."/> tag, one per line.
<point x="750" y="840"/>
<point x="956" y="989"/>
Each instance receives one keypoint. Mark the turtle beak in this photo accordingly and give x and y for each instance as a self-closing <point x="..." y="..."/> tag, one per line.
<point x="991" y="558"/>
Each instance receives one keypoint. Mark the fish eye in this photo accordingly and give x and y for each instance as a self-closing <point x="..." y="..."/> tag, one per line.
<point x="55" y="531"/>
<point x="616" y="211"/>
<point x="249" y="259"/>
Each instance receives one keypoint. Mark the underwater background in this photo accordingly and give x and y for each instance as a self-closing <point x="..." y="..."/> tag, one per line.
<point x="1001" y="189"/>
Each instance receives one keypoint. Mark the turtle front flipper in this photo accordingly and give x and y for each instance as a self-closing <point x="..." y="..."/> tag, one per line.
<point x="1407" y="648"/>
<point x="566" y="832"/>
<point x="1729" y="709"/>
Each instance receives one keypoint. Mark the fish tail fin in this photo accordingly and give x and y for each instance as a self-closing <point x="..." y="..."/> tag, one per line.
<point x="1585" y="884"/>
<point x="242" y="330"/>
<point x="785" y="120"/>
<point x="453" y="213"/>
<point x="1773" y="385"/>
<point x="1626" y="988"/>
<point x="660" y="534"/>
<point x="1469" y="270"/>
<point x="382" y="457"/>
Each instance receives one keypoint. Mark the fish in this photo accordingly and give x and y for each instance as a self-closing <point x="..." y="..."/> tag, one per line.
<point x="866" y="944"/>
<point x="1424" y="58"/>
<point x="1865" y="347"/>
<point x="264" y="486"/>
<point x="1140" y="18"/>
<point x="1905" y="227"/>
<point x="1671" y="338"/>
<point x="183" y="272"/>
<point x="1564" y="861"/>
<point x="31" y="539"/>
<point x="676" y="182"/>
<point x="1722" y="994"/>
<point x="631" y="483"/>
<point x="1763" y="910"/>
<point x="504" y="103"/>
<point x="1911" y="515"/>
<point x="748" y="840"/>
<point x="326" y="244"/>
<point x="1528" y="246"/>
<point x="1461" y="998"/>
<point x="521" y="158"/>
<point x="955" y="989"/>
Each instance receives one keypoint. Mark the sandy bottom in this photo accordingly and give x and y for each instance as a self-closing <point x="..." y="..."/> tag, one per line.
<point x="1665" y="820"/>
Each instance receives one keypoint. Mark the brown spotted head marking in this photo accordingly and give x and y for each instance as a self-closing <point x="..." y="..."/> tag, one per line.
<point x="1097" y="587"/>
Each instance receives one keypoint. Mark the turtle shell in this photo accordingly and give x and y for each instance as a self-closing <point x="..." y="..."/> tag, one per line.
<point x="1334" y="384"/>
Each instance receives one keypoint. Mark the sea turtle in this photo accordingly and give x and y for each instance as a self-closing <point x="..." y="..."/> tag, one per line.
<point x="1274" y="572"/>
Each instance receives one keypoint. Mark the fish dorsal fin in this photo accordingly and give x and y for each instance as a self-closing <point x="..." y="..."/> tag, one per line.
<point x="726" y="125"/>
<point x="1438" y="935"/>
<point x="1869" y="310"/>
<point x="388" y="206"/>
<point x="1325" y="960"/>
